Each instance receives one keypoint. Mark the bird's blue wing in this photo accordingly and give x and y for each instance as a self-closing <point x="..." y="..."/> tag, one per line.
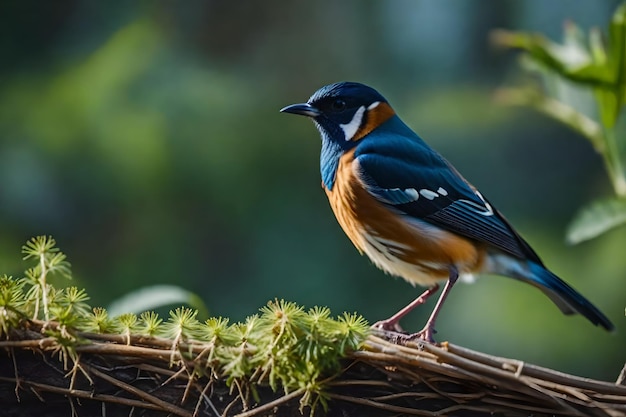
<point x="404" y="173"/>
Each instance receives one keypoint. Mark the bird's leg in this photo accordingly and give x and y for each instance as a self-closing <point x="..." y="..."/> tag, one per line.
<point x="393" y="322"/>
<point x="427" y="332"/>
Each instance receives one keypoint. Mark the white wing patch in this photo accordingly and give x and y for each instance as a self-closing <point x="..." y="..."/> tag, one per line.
<point x="406" y="195"/>
<point x="412" y="192"/>
<point x="431" y="195"/>
<point x="350" y="129"/>
<point x="485" y="210"/>
<point x="428" y="194"/>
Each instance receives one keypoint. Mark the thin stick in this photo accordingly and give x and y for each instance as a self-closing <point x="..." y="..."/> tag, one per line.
<point x="268" y="406"/>
<point x="164" y="405"/>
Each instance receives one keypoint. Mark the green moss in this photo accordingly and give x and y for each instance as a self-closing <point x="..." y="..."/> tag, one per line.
<point x="284" y="346"/>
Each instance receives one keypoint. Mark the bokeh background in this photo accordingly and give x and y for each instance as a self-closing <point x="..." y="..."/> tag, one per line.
<point x="146" y="138"/>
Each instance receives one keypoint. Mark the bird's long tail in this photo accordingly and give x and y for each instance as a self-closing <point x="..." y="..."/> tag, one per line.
<point x="564" y="296"/>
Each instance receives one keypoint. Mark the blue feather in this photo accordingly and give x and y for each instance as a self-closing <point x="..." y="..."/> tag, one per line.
<point x="329" y="161"/>
<point x="394" y="196"/>
<point x="413" y="181"/>
<point x="564" y="296"/>
<point x="394" y="163"/>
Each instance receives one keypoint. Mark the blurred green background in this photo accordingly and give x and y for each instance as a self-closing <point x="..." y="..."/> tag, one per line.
<point x="146" y="138"/>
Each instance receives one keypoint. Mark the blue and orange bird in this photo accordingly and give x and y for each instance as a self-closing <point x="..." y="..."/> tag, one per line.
<point x="411" y="212"/>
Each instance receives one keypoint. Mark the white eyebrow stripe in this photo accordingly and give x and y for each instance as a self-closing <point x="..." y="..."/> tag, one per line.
<point x="350" y="129"/>
<point x="373" y="105"/>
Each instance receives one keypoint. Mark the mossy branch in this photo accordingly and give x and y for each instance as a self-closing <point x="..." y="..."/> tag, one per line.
<point x="283" y="361"/>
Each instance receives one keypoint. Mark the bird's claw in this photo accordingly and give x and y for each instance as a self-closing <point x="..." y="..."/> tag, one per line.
<point x="388" y="326"/>
<point x="424" y="335"/>
<point x="393" y="332"/>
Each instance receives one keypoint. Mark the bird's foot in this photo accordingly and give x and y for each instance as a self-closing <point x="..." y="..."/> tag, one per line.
<point x="424" y="335"/>
<point x="388" y="325"/>
<point x="395" y="334"/>
<point x="390" y="330"/>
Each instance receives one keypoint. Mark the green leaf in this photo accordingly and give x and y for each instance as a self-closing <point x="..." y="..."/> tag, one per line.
<point x="595" y="219"/>
<point x="155" y="296"/>
<point x="596" y="46"/>
<point x="609" y="104"/>
<point x="617" y="62"/>
<point x="572" y="60"/>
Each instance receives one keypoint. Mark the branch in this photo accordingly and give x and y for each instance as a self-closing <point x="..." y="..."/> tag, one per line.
<point x="135" y="376"/>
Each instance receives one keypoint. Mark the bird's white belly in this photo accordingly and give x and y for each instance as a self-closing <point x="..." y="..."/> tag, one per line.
<point x="381" y="253"/>
<point x="402" y="246"/>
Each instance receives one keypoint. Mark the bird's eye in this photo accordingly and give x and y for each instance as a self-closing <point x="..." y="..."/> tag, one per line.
<point x="338" y="105"/>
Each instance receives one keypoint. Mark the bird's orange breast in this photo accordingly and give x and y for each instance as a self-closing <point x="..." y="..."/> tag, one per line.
<point x="398" y="244"/>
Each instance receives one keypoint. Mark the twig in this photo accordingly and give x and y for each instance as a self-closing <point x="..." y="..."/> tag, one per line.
<point x="34" y="386"/>
<point x="164" y="405"/>
<point x="268" y="406"/>
<point x="382" y="406"/>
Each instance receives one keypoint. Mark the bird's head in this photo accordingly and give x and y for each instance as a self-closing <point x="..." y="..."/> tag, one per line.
<point x="344" y="112"/>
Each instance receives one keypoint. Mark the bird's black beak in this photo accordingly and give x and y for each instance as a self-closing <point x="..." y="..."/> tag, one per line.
<point x="303" y="109"/>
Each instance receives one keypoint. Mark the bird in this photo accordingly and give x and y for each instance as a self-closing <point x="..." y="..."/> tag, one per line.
<point x="411" y="212"/>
